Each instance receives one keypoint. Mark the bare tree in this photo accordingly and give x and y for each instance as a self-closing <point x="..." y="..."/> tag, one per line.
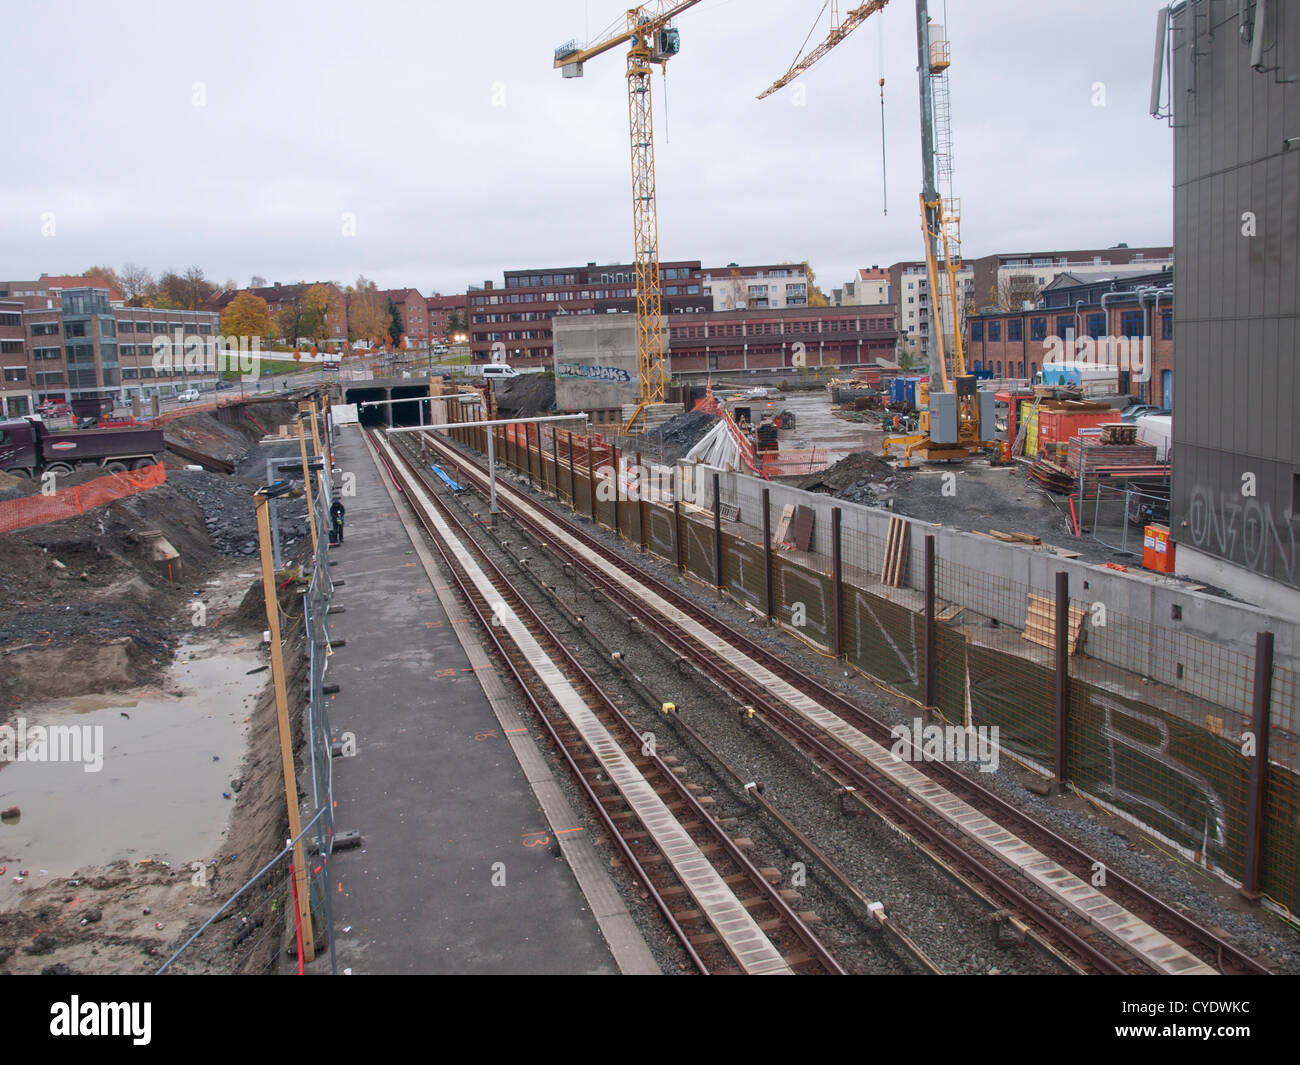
<point x="1017" y="290"/>
<point x="137" y="283"/>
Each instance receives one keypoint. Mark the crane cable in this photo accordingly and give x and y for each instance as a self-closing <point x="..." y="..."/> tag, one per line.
<point x="884" y="172"/>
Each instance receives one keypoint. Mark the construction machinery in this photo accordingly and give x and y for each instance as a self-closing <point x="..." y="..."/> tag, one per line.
<point x="951" y="418"/>
<point x="652" y="40"/>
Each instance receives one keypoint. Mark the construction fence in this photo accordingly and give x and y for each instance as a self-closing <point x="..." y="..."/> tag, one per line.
<point x="253" y="927"/>
<point x="77" y="499"/>
<point x="1193" y="740"/>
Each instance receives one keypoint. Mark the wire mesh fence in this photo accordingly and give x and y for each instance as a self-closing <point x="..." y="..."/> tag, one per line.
<point x="262" y="917"/>
<point x="1151" y="721"/>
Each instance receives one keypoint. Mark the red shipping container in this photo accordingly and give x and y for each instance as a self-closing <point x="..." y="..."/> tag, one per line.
<point x="1057" y="426"/>
<point x="1157" y="550"/>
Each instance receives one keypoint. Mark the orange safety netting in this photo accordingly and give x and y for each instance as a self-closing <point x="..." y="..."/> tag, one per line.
<point x="69" y="502"/>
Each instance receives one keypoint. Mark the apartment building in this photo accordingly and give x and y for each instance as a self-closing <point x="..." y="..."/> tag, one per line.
<point x="736" y="288"/>
<point x="870" y="288"/>
<point x="445" y="312"/>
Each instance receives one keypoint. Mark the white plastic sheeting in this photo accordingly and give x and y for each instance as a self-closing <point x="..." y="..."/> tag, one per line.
<point x="716" y="448"/>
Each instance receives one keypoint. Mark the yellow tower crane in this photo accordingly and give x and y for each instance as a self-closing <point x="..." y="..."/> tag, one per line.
<point x="950" y="420"/>
<point x="652" y="39"/>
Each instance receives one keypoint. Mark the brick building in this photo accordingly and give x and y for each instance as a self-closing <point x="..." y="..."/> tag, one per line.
<point x="1138" y="309"/>
<point x="1014" y="272"/>
<point x="413" y="310"/>
<point x="448" y="316"/>
<point x="774" y="338"/>
<point x="734" y="287"/>
<point x="518" y="315"/>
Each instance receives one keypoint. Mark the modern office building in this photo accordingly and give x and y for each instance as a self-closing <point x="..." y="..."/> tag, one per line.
<point x="1235" y="98"/>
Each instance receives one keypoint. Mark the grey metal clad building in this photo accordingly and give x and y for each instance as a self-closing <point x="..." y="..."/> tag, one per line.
<point x="1228" y="78"/>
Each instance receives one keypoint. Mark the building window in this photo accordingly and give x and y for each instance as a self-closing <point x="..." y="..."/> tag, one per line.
<point x="977" y="330"/>
<point x="1037" y="328"/>
<point x="1166" y="325"/>
<point x="1096" y="325"/>
<point x="999" y="367"/>
<point x="1131" y="324"/>
<point x="995" y="331"/>
<point x="1064" y="325"/>
<point x="45" y="329"/>
<point x="75" y="329"/>
<point x="11" y="347"/>
<point x="1015" y="329"/>
<point x="15" y="373"/>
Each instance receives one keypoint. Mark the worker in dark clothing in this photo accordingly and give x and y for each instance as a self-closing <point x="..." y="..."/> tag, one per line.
<point x="336" y="518"/>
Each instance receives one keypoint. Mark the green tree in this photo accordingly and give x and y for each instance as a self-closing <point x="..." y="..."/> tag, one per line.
<point x="394" y="322"/>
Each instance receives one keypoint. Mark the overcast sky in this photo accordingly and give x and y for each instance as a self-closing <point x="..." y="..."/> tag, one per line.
<point x="239" y="136"/>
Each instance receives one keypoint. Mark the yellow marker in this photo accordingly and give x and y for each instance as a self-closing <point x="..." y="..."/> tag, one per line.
<point x="669" y="708"/>
<point x="749" y="711"/>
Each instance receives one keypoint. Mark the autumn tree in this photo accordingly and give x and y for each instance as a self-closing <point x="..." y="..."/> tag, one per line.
<point x="137" y="284"/>
<point x="106" y="274"/>
<point x="320" y="305"/>
<point x="246" y="316"/>
<point x="367" y="311"/>
<point x="816" y="297"/>
<point x="257" y="281"/>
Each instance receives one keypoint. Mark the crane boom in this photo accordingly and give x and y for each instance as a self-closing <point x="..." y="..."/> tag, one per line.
<point x="851" y="22"/>
<point x="648" y="18"/>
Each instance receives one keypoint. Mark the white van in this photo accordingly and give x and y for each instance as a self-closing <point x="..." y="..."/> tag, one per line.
<point x="499" y="369"/>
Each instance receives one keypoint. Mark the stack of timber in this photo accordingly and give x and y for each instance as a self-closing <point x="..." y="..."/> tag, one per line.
<point x="895" y="567"/>
<point x="1040" y="624"/>
<point x="1092" y="453"/>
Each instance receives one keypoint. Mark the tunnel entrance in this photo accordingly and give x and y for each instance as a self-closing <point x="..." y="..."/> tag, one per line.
<point x="409" y="413"/>
<point x="371" y="417"/>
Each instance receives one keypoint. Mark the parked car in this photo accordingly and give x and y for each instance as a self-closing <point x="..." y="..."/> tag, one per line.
<point x="1133" y="413"/>
<point x="189" y="395"/>
<point x="499" y="369"/>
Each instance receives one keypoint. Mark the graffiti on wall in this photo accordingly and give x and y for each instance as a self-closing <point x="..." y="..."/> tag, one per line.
<point x="1243" y="529"/>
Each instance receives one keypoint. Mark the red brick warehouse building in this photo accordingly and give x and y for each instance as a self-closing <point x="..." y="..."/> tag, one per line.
<point x="1139" y="309"/>
<point x="785" y="337"/>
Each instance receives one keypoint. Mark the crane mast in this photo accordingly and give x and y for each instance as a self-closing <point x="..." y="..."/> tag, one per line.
<point x="652" y="40"/>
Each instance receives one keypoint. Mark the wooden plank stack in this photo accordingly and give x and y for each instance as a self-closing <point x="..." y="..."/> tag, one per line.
<point x="895" y="567"/>
<point x="1040" y="625"/>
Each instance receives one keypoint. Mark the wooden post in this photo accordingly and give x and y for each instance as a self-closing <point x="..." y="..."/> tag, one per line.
<point x="1062" y="672"/>
<point x="931" y="636"/>
<point x="1259" y="724"/>
<point x="837" y="584"/>
<point x="717" y="533"/>
<point x="769" y="592"/>
<point x="282" y="721"/>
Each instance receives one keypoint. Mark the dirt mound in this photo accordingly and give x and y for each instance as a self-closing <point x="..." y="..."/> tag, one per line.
<point x="203" y="431"/>
<point x="87" y="664"/>
<point x="525" y="396"/>
<point x="685" y="430"/>
<point x="859" y="469"/>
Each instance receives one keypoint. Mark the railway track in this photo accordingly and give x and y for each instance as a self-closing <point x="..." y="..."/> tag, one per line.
<point x="1106" y="930"/>
<point x="728" y="914"/>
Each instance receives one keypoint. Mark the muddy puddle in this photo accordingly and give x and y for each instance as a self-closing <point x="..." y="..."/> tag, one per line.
<point x="142" y="774"/>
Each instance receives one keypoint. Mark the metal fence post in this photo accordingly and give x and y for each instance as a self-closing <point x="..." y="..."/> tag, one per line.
<point x="573" y="473"/>
<point x="1261" y="704"/>
<point x="614" y="466"/>
<point x="717" y="533"/>
<point x="677" y="521"/>
<point x="769" y="592"/>
<point x="1062" y="672"/>
<point x="591" y="479"/>
<point x="837" y="585"/>
<point x="931" y="636"/>
<point x="555" y="462"/>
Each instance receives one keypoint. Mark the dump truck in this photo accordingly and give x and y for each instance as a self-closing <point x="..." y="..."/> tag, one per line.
<point x="29" y="448"/>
